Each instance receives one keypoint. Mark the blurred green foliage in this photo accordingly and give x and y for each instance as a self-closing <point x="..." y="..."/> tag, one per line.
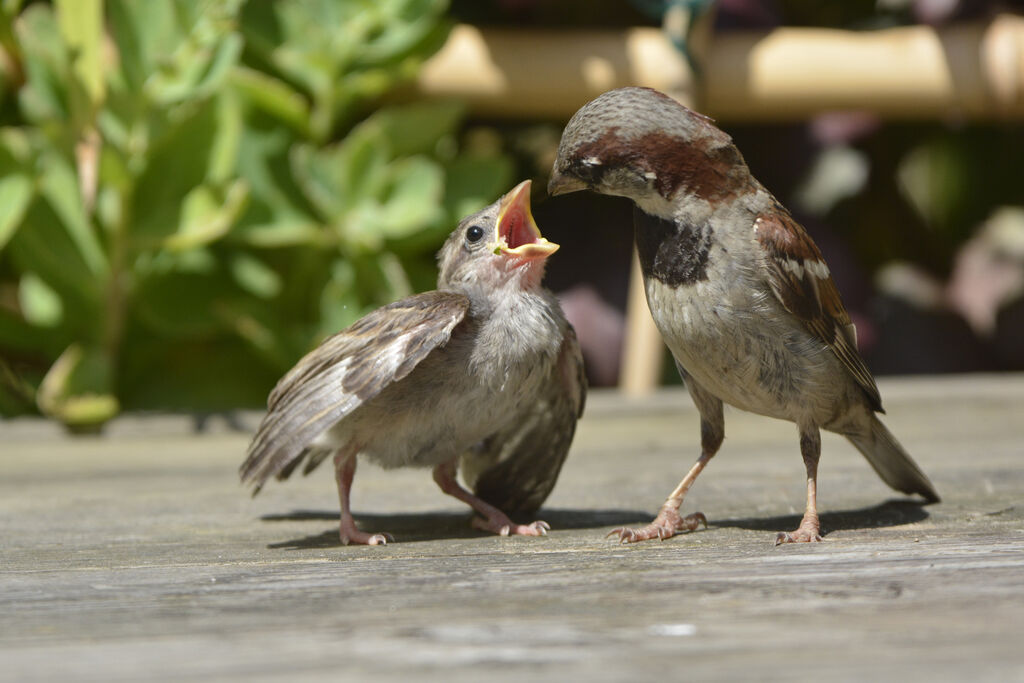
<point x="194" y="192"/>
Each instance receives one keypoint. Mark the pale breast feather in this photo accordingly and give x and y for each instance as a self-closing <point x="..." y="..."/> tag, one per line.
<point x="516" y="467"/>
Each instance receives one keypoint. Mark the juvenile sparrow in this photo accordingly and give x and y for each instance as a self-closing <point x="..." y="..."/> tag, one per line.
<point x="739" y="291"/>
<point x="483" y="373"/>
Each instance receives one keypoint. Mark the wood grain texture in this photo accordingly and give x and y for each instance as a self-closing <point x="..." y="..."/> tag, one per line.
<point x="138" y="556"/>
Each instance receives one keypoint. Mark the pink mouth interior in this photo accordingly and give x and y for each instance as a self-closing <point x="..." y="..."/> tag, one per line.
<point x="517" y="230"/>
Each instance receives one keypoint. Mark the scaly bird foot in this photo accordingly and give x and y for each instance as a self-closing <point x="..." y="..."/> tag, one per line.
<point x="349" y="534"/>
<point x="503" y="526"/>
<point x="805" y="533"/>
<point x="666" y="525"/>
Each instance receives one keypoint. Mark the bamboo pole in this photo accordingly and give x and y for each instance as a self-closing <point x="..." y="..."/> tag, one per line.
<point x="643" y="351"/>
<point x="515" y="73"/>
<point x="973" y="70"/>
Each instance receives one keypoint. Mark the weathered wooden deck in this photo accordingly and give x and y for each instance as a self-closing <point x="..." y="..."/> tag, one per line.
<point x="137" y="556"/>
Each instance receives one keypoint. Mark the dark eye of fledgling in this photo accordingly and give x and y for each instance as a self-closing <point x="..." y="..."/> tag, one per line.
<point x="474" y="233"/>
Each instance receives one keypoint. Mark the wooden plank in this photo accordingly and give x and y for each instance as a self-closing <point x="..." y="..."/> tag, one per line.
<point x="139" y="557"/>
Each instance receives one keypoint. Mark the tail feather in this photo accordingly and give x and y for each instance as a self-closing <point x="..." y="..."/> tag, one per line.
<point x="891" y="461"/>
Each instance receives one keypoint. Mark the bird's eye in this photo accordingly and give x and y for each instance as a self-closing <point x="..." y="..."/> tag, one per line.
<point x="589" y="169"/>
<point x="474" y="233"/>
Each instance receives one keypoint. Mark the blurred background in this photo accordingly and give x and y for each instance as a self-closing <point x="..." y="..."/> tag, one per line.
<point x="193" y="193"/>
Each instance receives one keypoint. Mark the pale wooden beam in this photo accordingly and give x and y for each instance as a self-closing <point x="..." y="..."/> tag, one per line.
<point x="974" y="70"/>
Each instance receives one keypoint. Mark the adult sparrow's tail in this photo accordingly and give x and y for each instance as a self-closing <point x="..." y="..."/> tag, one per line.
<point x="892" y="463"/>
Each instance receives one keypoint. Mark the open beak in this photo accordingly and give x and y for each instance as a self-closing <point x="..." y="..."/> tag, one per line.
<point x="563" y="183"/>
<point x="517" y="233"/>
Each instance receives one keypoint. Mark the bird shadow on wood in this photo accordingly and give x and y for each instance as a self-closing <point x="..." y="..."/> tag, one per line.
<point x="893" y="512"/>
<point x="433" y="526"/>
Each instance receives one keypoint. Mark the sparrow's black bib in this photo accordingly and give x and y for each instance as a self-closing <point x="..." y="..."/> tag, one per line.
<point x="671" y="253"/>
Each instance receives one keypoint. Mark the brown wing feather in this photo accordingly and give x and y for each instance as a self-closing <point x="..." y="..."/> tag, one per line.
<point x="346" y="370"/>
<point x="516" y="468"/>
<point x="801" y="281"/>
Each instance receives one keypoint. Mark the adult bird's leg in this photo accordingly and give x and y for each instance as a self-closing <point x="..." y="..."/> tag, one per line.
<point x="809" y="530"/>
<point x="344" y="472"/>
<point x="668" y="522"/>
<point x="494" y="519"/>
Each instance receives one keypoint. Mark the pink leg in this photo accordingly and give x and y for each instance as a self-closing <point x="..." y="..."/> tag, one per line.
<point x="668" y="522"/>
<point x="494" y="520"/>
<point x="809" y="530"/>
<point x="344" y="472"/>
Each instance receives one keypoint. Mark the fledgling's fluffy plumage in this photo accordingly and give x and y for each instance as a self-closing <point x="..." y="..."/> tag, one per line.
<point x="484" y="374"/>
<point x="737" y="288"/>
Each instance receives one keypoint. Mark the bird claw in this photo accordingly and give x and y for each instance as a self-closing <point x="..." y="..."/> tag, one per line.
<point x="354" y="536"/>
<point x="801" y="535"/>
<point x="503" y="526"/>
<point x="666" y="525"/>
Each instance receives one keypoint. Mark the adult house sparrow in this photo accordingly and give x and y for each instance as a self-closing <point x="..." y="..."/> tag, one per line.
<point x="739" y="291"/>
<point x="483" y="373"/>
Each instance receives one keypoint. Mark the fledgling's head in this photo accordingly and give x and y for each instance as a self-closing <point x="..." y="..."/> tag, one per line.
<point x="642" y="144"/>
<point x="496" y="247"/>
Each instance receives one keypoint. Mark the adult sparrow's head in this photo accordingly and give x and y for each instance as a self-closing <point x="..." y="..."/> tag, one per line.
<point x="640" y="143"/>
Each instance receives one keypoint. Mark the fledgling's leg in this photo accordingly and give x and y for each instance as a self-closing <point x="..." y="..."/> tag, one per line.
<point x="809" y="530"/>
<point x="344" y="472"/>
<point x="712" y="432"/>
<point x="494" y="519"/>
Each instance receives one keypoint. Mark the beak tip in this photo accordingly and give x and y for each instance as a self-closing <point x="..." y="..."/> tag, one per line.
<point x="560" y="183"/>
<point x="521" y="190"/>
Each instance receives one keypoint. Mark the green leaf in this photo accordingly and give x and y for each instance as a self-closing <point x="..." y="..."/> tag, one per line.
<point x="15" y="195"/>
<point x="224" y="153"/>
<point x="81" y="25"/>
<point x="409" y="27"/>
<point x="361" y="164"/>
<point x="332" y="178"/>
<point x="192" y="73"/>
<point x="43" y="99"/>
<point x="178" y="162"/>
<point x="339" y="301"/>
<point x="414" y="198"/>
<point x="207" y="215"/>
<point x="39" y="304"/>
<point x="255" y="277"/>
<point x="59" y="186"/>
<point x="934" y="178"/>
<point x="472" y="182"/>
<point x="77" y="390"/>
<point x="273" y="96"/>
<point x="209" y="375"/>
<point x="16" y="146"/>
<point x="44" y="246"/>
<point x="416" y="128"/>
<point x="264" y="162"/>
<point x="282" y="233"/>
<point x="18" y="335"/>
<point x="142" y="31"/>
<point x="175" y="50"/>
<point x="181" y="305"/>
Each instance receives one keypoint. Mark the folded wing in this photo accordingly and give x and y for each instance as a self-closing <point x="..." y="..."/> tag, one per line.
<point x="803" y="285"/>
<point x="345" y="371"/>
